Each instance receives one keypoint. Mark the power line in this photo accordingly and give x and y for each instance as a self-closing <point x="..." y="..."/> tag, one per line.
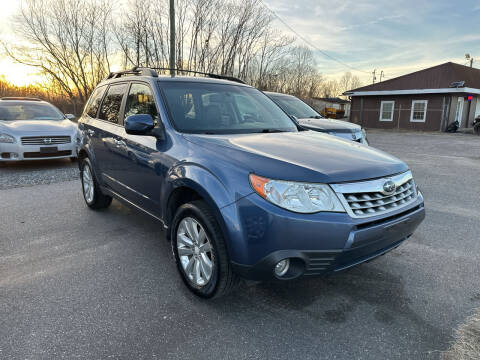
<point x="309" y="43"/>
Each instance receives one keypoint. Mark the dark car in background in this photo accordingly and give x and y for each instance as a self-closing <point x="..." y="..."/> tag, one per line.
<point x="310" y="119"/>
<point x="242" y="190"/>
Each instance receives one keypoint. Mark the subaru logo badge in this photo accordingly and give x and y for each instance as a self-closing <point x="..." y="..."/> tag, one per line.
<point x="47" y="141"/>
<point x="389" y="187"/>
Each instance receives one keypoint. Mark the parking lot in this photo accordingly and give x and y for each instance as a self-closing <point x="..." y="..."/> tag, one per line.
<point x="81" y="284"/>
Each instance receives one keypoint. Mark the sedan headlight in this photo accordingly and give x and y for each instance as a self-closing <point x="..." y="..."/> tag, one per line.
<point x="296" y="196"/>
<point x="5" y="138"/>
<point x="364" y="133"/>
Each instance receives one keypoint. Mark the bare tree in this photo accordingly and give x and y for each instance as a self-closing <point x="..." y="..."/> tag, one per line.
<point x="348" y="82"/>
<point x="74" y="43"/>
<point x="66" y="40"/>
<point x="331" y="88"/>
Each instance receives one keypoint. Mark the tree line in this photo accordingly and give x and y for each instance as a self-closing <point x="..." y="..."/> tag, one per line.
<point x="46" y="92"/>
<point x="74" y="44"/>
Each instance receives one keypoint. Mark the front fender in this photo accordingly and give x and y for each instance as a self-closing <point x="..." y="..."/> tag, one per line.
<point x="200" y="179"/>
<point x="215" y="192"/>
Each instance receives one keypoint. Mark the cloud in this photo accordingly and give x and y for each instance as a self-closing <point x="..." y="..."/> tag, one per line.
<point x="372" y="22"/>
<point x="397" y="37"/>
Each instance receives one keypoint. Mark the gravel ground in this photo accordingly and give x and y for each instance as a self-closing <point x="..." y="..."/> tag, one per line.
<point x="76" y="283"/>
<point x="29" y="173"/>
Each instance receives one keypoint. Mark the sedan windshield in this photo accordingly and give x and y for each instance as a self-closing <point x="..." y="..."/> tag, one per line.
<point x="296" y="107"/>
<point x="22" y="110"/>
<point x="209" y="108"/>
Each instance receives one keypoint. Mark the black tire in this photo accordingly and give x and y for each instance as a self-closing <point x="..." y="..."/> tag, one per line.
<point x="223" y="280"/>
<point x="99" y="200"/>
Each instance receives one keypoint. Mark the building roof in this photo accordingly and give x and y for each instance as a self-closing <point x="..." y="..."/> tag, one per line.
<point x="436" y="79"/>
<point x="335" y="100"/>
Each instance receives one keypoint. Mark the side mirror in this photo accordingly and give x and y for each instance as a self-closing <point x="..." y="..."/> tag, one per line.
<point x="140" y="124"/>
<point x="70" y="116"/>
<point x="143" y="124"/>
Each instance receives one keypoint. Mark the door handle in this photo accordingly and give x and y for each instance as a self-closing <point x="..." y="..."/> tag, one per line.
<point x="90" y="132"/>
<point x="120" y="142"/>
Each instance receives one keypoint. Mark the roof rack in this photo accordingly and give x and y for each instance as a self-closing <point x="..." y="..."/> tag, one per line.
<point x="138" y="71"/>
<point x="21" y="98"/>
<point x="213" y="76"/>
<point x="150" y="71"/>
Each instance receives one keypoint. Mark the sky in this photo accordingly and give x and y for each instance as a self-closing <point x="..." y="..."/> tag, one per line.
<point x="397" y="37"/>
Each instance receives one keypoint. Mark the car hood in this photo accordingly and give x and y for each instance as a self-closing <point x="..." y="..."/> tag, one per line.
<point x="301" y="156"/>
<point x="330" y="125"/>
<point x="47" y="127"/>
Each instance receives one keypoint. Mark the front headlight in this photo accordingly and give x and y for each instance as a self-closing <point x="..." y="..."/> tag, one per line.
<point x="5" y="138"/>
<point x="296" y="196"/>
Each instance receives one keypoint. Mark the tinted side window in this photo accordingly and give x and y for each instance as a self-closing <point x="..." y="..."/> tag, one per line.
<point x="94" y="102"/>
<point x="112" y="102"/>
<point x="140" y="101"/>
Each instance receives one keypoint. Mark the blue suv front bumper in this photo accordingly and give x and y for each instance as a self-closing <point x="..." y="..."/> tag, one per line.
<point x="261" y="234"/>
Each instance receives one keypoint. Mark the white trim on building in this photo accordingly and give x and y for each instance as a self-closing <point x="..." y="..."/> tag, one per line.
<point x="387" y="108"/>
<point x="413" y="92"/>
<point x="417" y="111"/>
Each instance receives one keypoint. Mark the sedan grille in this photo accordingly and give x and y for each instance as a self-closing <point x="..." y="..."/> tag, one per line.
<point x="45" y="140"/>
<point x="368" y="198"/>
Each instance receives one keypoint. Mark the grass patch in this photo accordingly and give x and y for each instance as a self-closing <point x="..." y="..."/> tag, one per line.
<point x="467" y="341"/>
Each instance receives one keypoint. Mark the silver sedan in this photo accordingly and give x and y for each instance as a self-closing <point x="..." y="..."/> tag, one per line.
<point x="32" y="129"/>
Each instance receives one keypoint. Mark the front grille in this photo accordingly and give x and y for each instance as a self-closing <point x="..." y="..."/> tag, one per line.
<point x="371" y="203"/>
<point x="32" y="155"/>
<point x="45" y="140"/>
<point x="367" y="198"/>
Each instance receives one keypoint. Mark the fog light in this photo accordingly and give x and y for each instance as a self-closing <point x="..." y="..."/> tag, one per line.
<point x="7" y="155"/>
<point x="282" y="267"/>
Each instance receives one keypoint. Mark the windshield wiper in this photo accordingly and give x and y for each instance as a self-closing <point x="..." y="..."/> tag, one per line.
<point x="271" y="131"/>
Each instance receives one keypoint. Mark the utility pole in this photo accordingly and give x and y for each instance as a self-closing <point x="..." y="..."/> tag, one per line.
<point x="374" y="78"/>
<point x="172" y="37"/>
<point x="381" y="75"/>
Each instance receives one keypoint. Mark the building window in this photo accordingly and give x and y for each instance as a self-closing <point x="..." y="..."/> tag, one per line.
<point x="386" y="110"/>
<point x="419" y="111"/>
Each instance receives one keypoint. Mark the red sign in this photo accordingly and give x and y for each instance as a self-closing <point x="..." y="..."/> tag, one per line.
<point x="470" y="97"/>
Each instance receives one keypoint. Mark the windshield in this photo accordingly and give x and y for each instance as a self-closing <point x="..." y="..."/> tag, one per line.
<point x="22" y="110"/>
<point x="222" y="109"/>
<point x="296" y="107"/>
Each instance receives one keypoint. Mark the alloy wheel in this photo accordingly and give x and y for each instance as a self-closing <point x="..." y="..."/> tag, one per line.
<point x="195" y="251"/>
<point x="88" y="185"/>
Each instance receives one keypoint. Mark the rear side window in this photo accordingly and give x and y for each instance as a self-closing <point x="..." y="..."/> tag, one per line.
<point x="140" y="101"/>
<point x="94" y="102"/>
<point x="112" y="102"/>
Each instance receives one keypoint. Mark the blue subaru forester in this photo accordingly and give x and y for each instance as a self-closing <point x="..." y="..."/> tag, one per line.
<point x="242" y="190"/>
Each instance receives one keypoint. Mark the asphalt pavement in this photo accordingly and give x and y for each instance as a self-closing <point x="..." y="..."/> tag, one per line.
<point x="75" y="283"/>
